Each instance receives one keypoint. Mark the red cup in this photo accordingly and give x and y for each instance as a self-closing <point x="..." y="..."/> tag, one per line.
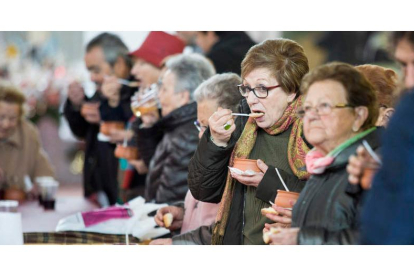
<point x="368" y="175"/>
<point x="283" y="198"/>
<point x="108" y="126"/>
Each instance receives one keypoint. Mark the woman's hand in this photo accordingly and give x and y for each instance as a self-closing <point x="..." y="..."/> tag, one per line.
<point x="274" y="225"/>
<point x="216" y="124"/>
<point x="161" y="242"/>
<point x="252" y="180"/>
<point x="178" y="216"/>
<point x="357" y="164"/>
<point x="284" y="216"/>
<point x="285" y="237"/>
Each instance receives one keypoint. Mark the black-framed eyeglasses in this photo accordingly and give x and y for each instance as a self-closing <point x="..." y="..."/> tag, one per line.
<point x="260" y="92"/>
<point x="199" y="126"/>
<point x="321" y="109"/>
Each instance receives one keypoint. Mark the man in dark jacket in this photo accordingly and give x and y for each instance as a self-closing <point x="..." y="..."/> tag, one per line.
<point x="168" y="169"/>
<point x="106" y="55"/>
<point x="225" y="49"/>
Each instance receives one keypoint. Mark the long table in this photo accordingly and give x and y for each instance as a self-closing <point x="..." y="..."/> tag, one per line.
<point x="39" y="225"/>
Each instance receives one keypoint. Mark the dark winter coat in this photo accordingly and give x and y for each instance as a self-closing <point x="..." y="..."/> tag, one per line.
<point x="168" y="170"/>
<point x="328" y="208"/>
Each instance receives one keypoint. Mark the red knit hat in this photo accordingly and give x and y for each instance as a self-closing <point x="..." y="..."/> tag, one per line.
<point x="157" y="46"/>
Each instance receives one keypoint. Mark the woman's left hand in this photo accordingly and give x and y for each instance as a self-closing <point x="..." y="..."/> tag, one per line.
<point x="252" y="180"/>
<point x="285" y="237"/>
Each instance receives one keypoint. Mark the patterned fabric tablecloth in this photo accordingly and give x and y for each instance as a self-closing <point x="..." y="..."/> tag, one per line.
<point x="73" y="237"/>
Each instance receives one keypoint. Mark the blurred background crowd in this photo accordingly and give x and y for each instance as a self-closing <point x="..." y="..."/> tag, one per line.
<point x="43" y="64"/>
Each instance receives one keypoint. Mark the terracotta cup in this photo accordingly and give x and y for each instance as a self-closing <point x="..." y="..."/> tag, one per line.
<point x="368" y="176"/>
<point x="283" y="198"/>
<point x="246" y="164"/>
<point x="129" y="153"/>
<point x="107" y="126"/>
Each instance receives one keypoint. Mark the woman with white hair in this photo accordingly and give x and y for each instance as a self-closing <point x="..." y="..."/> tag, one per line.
<point x="219" y="90"/>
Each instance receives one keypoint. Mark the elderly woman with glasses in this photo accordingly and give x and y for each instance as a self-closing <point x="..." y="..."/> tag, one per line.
<point x="340" y="110"/>
<point x="271" y="75"/>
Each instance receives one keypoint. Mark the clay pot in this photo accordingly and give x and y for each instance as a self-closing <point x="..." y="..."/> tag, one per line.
<point x="129" y="153"/>
<point x="88" y="108"/>
<point x="283" y="198"/>
<point x="108" y="126"/>
<point x="367" y="177"/>
<point x="14" y="194"/>
<point x="246" y="164"/>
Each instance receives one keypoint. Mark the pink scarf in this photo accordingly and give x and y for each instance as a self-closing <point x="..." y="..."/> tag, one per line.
<point x="316" y="162"/>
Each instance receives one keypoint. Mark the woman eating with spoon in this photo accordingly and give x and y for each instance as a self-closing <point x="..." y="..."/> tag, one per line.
<point x="271" y="75"/>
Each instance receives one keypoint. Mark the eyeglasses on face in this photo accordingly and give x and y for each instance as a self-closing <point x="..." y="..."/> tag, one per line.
<point x="199" y="126"/>
<point x="321" y="109"/>
<point x="260" y="92"/>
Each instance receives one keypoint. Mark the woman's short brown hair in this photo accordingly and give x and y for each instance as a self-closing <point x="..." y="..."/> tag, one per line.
<point x="359" y="91"/>
<point x="384" y="81"/>
<point x="12" y="95"/>
<point x="283" y="57"/>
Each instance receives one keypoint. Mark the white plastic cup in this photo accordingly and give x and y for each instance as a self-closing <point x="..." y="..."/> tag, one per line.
<point x="11" y="231"/>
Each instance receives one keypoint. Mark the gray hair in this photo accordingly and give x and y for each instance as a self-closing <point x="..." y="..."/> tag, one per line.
<point x="189" y="70"/>
<point x="221" y="88"/>
<point x="112" y="46"/>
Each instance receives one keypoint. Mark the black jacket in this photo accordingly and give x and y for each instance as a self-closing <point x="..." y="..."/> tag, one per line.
<point x="228" y="53"/>
<point x="208" y="173"/>
<point x="328" y="208"/>
<point x="101" y="166"/>
<point x="200" y="236"/>
<point x="146" y="139"/>
<point x="168" y="170"/>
